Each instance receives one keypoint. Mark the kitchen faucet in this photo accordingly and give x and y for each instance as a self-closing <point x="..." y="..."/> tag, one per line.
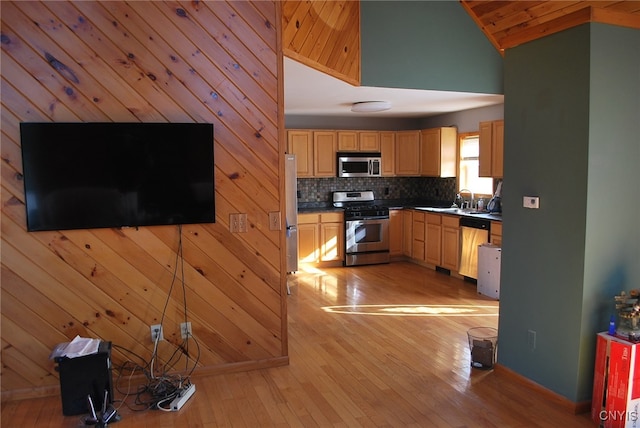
<point x="462" y="201"/>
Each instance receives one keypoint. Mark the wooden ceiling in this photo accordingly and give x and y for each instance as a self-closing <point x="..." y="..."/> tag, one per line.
<point x="510" y="23"/>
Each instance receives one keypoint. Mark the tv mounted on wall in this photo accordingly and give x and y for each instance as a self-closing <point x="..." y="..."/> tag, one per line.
<point x="96" y="175"/>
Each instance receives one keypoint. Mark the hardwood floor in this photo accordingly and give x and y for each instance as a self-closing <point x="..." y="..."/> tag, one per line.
<point x="369" y="346"/>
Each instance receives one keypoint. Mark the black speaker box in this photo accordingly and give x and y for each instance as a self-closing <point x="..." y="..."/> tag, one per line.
<point x="84" y="376"/>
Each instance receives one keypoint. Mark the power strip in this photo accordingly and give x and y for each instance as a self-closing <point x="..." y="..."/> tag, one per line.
<point x="182" y="397"/>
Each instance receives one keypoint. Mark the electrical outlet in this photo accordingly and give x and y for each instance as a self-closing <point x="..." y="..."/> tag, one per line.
<point x="185" y="330"/>
<point x="156" y="332"/>
<point x="234" y="223"/>
<point x="531" y="339"/>
<point x="242" y="222"/>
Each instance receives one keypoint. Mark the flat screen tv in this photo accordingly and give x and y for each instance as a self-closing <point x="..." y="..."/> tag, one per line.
<point x="95" y="175"/>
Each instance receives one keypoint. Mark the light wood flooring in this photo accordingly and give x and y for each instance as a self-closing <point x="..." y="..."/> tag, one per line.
<point x="370" y="346"/>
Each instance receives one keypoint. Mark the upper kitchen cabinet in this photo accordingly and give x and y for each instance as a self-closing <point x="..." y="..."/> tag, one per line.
<point x="369" y="141"/>
<point x="491" y="148"/>
<point x="408" y="153"/>
<point x="388" y="153"/>
<point x="347" y="141"/>
<point x="300" y="143"/>
<point x="315" y="152"/>
<point x="358" y="141"/>
<point x="325" y="144"/>
<point x="438" y="152"/>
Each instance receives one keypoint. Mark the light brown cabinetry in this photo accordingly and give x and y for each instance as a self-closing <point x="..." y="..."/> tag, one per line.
<point x="300" y="143"/>
<point x="369" y="141"/>
<point x="347" y="141"/>
<point x="450" y="242"/>
<point x="388" y="153"/>
<point x="358" y="141"/>
<point x="438" y="151"/>
<point x="315" y="152"/>
<point x="418" y="244"/>
<point x="407" y="232"/>
<point x="433" y="241"/>
<point x="395" y="233"/>
<point x="324" y="151"/>
<point x="408" y="153"/>
<point x="496" y="233"/>
<point x="320" y="237"/>
<point x="491" y="156"/>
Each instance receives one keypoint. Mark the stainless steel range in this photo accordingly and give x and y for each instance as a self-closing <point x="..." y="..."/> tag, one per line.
<point x="366" y="227"/>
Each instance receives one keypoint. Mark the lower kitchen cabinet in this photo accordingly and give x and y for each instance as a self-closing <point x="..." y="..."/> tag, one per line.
<point x="407" y="232"/>
<point x="321" y="237"/>
<point x="496" y="233"/>
<point x="433" y="242"/>
<point x="395" y="233"/>
<point x="418" y="242"/>
<point x="450" y="242"/>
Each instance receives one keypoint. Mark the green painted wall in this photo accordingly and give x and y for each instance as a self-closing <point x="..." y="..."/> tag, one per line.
<point x="571" y="137"/>
<point x="426" y="45"/>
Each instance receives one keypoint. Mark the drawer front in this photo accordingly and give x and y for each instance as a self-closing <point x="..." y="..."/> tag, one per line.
<point x="434" y="218"/>
<point x="308" y="218"/>
<point x="450" y="221"/>
<point x="331" y="217"/>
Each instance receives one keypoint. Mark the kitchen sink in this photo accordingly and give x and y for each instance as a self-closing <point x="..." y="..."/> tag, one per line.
<point x="443" y="210"/>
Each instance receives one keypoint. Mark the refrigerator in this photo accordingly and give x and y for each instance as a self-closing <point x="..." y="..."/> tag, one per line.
<point x="291" y="212"/>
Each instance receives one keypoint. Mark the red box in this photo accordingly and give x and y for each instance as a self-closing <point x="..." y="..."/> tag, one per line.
<point x="616" y="383"/>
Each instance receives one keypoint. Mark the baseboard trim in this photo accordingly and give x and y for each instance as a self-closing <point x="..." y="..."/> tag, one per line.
<point x="563" y="402"/>
<point x="53" y="390"/>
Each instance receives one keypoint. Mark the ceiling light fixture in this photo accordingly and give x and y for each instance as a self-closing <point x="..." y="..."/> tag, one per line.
<point x="370" y="106"/>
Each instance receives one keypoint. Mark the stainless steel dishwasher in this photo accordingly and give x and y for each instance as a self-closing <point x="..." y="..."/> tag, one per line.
<point x="473" y="233"/>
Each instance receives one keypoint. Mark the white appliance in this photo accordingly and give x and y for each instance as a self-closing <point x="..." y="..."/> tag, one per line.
<point x="489" y="260"/>
<point x="291" y="212"/>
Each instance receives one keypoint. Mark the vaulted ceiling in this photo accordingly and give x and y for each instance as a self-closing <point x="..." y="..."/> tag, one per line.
<point x="510" y="23"/>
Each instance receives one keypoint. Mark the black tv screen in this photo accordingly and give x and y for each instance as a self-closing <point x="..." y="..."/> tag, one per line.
<point x="94" y="175"/>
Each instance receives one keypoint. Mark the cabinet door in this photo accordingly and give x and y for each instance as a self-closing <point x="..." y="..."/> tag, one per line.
<point x="407" y="232"/>
<point x="395" y="232"/>
<point x="308" y="248"/>
<point x="408" y="153"/>
<point x="369" y="141"/>
<point x="331" y="241"/>
<point x="324" y="148"/>
<point x="438" y="152"/>
<point x="496" y="233"/>
<point x="300" y="143"/>
<point x="418" y="247"/>
<point x="450" y="242"/>
<point x="388" y="153"/>
<point x="347" y="141"/>
<point x="484" y="157"/>
<point x="497" y="148"/>
<point x="430" y="153"/>
<point x="491" y="148"/>
<point x="433" y="240"/>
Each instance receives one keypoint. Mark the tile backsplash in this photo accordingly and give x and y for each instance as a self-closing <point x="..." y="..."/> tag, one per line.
<point x="319" y="190"/>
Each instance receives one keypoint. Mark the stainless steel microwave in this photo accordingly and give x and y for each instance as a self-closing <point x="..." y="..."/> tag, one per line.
<point x="359" y="164"/>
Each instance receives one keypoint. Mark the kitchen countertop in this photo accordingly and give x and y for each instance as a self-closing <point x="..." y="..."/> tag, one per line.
<point x="429" y="206"/>
<point x="463" y="213"/>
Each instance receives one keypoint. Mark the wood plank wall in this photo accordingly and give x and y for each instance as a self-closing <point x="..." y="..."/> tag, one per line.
<point x="324" y="35"/>
<point x="187" y="61"/>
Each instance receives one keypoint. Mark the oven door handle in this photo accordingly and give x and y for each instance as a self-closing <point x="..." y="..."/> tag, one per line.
<point x="368" y="218"/>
